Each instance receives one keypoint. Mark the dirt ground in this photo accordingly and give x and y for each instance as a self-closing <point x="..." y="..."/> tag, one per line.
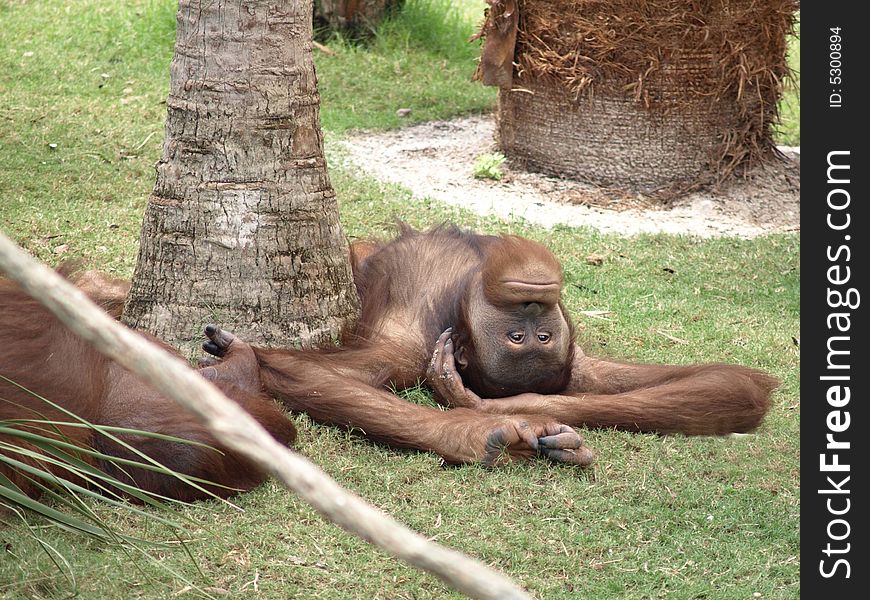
<point x="436" y="160"/>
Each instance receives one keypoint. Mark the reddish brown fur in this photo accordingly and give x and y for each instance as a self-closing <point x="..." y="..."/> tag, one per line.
<point x="419" y="284"/>
<point x="40" y="354"/>
<point x="411" y="290"/>
<point x="507" y="281"/>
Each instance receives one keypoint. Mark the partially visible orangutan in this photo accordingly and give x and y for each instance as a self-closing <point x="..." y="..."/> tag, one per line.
<point x="41" y="357"/>
<point x="493" y="305"/>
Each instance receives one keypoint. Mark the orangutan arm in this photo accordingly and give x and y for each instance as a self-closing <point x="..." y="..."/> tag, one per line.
<point x="706" y="399"/>
<point x="329" y="390"/>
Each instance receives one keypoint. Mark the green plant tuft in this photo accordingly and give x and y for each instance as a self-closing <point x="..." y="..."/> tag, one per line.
<point x="488" y="166"/>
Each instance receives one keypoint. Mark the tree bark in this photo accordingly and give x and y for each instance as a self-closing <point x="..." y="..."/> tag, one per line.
<point x="242" y="226"/>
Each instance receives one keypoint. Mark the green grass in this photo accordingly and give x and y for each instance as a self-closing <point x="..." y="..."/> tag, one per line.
<point x="419" y="60"/>
<point x="655" y="517"/>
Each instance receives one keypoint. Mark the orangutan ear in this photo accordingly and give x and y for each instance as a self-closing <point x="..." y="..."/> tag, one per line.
<point x="460" y="358"/>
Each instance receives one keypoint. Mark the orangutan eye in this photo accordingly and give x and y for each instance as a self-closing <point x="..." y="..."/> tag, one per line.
<point x="543" y="337"/>
<point x="516" y="337"/>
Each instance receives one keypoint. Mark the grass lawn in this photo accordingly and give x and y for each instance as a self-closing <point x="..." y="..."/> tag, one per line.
<point x="83" y="85"/>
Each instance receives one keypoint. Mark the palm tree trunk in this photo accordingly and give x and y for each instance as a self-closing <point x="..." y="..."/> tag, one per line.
<point x="658" y="97"/>
<point x="242" y="226"/>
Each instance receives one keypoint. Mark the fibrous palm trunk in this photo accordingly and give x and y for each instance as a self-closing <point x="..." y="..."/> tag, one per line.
<point x="659" y="96"/>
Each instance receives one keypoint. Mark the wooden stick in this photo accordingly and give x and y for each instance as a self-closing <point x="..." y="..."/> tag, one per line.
<point x="235" y="428"/>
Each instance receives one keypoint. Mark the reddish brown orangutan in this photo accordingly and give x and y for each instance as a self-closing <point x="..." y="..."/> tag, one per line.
<point x="493" y="305"/>
<point x="492" y="308"/>
<point x="39" y="354"/>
